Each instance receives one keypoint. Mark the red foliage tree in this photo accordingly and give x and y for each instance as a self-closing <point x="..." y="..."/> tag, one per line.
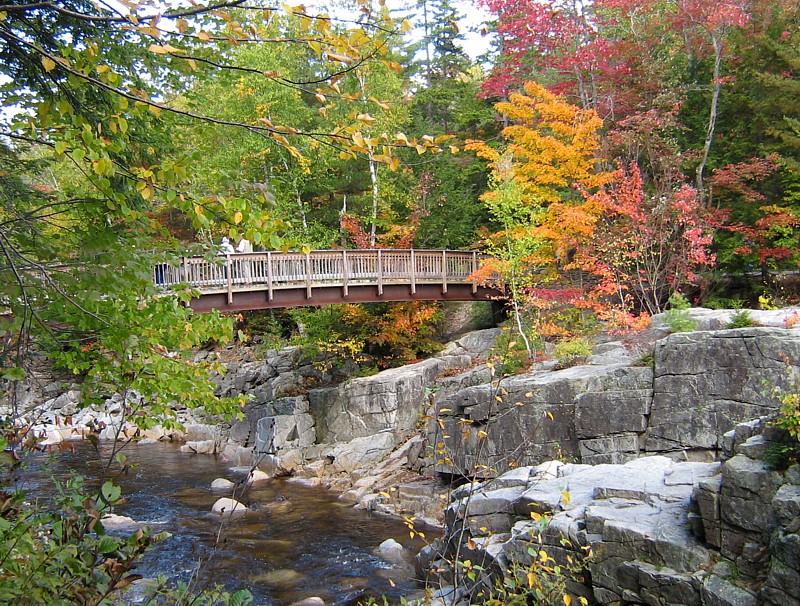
<point x="648" y="247"/>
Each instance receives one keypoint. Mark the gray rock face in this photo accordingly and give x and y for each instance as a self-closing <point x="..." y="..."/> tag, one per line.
<point x="706" y="382"/>
<point x="700" y="386"/>
<point x="660" y="531"/>
<point x="314" y="424"/>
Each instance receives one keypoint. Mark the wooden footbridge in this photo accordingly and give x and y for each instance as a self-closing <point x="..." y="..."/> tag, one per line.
<point x="264" y="280"/>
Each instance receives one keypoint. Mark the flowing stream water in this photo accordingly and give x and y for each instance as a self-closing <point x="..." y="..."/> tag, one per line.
<point x="297" y="542"/>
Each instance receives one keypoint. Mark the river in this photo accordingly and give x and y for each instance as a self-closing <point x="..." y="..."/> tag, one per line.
<point x="298" y="542"/>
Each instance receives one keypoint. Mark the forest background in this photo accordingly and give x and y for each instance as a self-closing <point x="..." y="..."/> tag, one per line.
<point x="609" y="155"/>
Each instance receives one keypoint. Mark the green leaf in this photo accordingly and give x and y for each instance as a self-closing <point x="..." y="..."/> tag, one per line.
<point x="110" y="492"/>
<point x="14" y="374"/>
<point x="241" y="598"/>
<point x="107" y="545"/>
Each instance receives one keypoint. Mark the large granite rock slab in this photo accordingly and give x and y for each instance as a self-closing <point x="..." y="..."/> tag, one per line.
<point x="706" y="382"/>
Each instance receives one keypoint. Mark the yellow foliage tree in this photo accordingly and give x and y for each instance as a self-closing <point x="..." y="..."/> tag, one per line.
<point x="551" y="155"/>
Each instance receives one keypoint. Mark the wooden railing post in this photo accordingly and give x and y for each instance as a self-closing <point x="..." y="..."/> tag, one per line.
<point x="413" y="273"/>
<point x="444" y="271"/>
<point x="380" y="274"/>
<point x="474" y="271"/>
<point x="345" y="273"/>
<point x="229" y="272"/>
<point x="269" y="275"/>
<point x="308" y="275"/>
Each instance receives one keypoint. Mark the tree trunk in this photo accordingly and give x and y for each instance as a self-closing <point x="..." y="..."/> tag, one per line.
<point x="373" y="175"/>
<point x="712" y="118"/>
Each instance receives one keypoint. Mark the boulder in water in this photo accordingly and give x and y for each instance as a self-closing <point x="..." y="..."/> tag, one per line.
<point x="392" y="551"/>
<point x="278" y="507"/>
<point x="258" y="476"/>
<point x="229" y="507"/>
<point x="313" y="601"/>
<point x="222" y="484"/>
<point x="112" y="520"/>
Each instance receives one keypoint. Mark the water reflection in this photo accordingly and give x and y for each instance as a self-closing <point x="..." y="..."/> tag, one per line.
<point x="297" y="542"/>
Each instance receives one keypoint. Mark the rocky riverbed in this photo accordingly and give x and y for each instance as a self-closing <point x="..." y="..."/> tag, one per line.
<point x="387" y="441"/>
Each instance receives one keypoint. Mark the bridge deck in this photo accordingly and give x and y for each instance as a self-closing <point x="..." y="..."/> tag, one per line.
<point x="265" y="280"/>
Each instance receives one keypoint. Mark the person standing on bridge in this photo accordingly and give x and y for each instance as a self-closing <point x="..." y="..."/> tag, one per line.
<point x="225" y="248"/>
<point x="244" y="246"/>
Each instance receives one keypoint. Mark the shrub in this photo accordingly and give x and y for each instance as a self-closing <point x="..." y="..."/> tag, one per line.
<point x="510" y="354"/>
<point x="62" y="555"/>
<point x="573" y="349"/>
<point x="789" y="414"/>
<point x="741" y="319"/>
<point x="723" y="303"/>
<point x="677" y="316"/>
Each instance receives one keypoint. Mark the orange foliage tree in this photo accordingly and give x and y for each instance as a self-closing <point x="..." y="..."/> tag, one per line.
<point x="552" y="156"/>
<point x="544" y="178"/>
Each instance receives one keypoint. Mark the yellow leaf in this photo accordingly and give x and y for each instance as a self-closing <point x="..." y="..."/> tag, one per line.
<point x="198" y="210"/>
<point x="289" y="10"/>
<point x="550" y="415"/>
<point x="379" y="103"/>
<point x="203" y="36"/>
<point x="565" y="497"/>
<point x="482" y="434"/>
<point x="567" y="599"/>
<point x="531" y="580"/>
<point x="48" y="64"/>
<point x="237" y="217"/>
<point x="158" y="49"/>
<point x="358" y="139"/>
<point x="454" y="149"/>
<point x="406" y="26"/>
<point x="156" y="111"/>
<point x="336" y="57"/>
<point x="321" y="98"/>
<point x="365" y="118"/>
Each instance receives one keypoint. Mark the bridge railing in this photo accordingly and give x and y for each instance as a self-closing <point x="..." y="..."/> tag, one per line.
<point x="277" y="270"/>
